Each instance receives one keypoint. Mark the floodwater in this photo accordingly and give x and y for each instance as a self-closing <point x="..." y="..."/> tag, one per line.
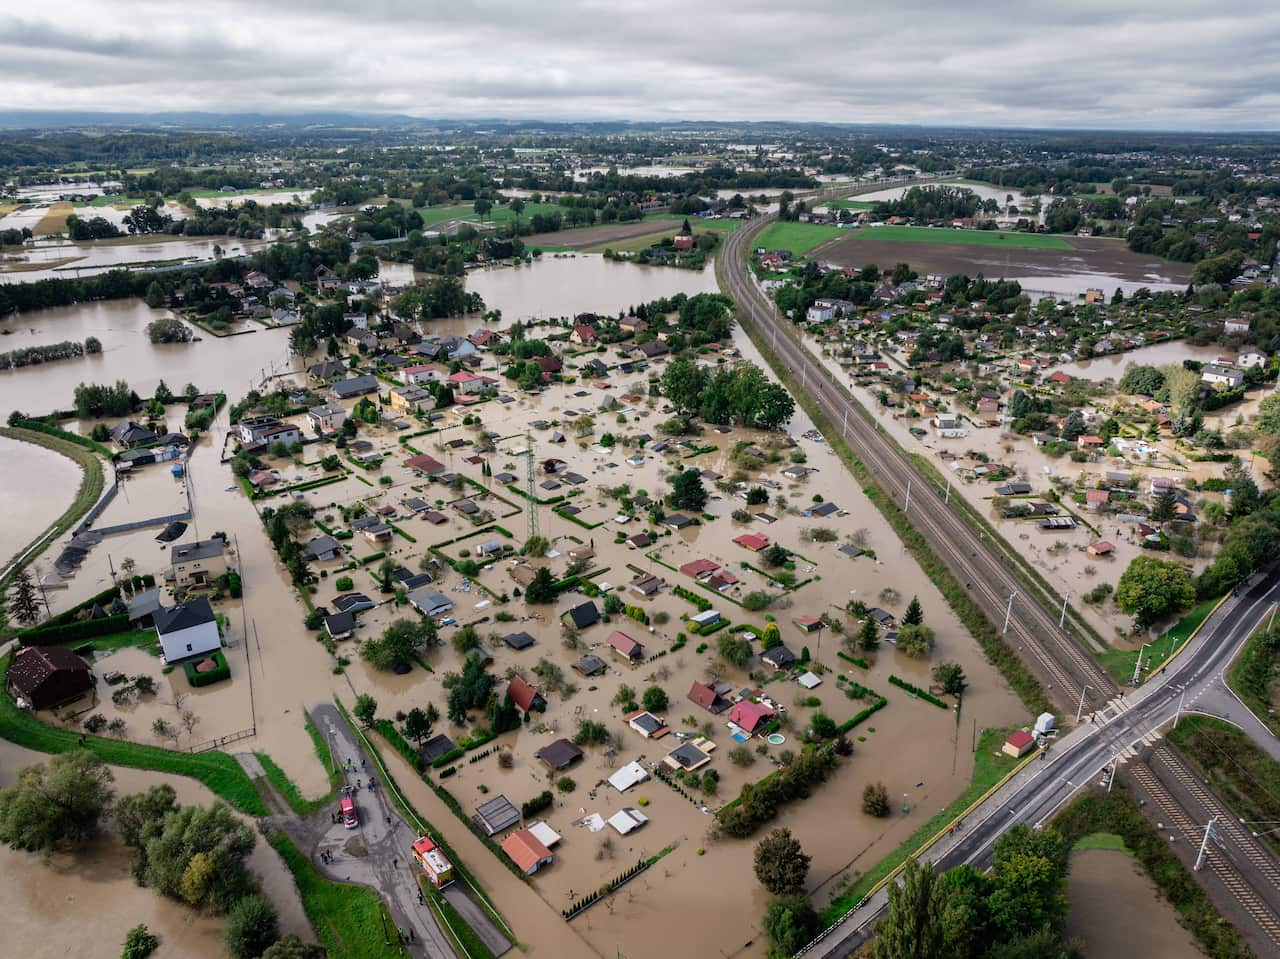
<point x="566" y="286"/>
<point x="231" y="364"/>
<point x="1113" y="365"/>
<point x="36" y="485"/>
<point x="100" y="256"/>
<point x="83" y="903"/>
<point x="264" y="198"/>
<point x="984" y="192"/>
<point x="1111" y="899"/>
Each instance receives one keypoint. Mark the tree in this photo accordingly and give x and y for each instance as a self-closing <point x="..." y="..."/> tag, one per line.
<point x="791" y="923"/>
<point x="687" y="491"/>
<point x="683" y="384"/>
<point x="1152" y="588"/>
<point x="252" y="926"/>
<point x="399" y="643"/>
<point x="781" y="864"/>
<point x="655" y="699"/>
<point x="966" y="917"/>
<point x="92" y="346"/>
<point x="365" y="709"/>
<point x="291" y="947"/>
<point x="735" y="650"/>
<point x="542" y="588"/>
<point x="139" y="815"/>
<point x="912" y="928"/>
<point x="757" y="496"/>
<point x="417" y="725"/>
<point x="915" y="641"/>
<point x="198" y="854"/>
<point x="869" y="635"/>
<point x="139" y="942"/>
<point x="914" y="615"/>
<point x="875" y="800"/>
<point x="775" y="556"/>
<point x="57" y="804"/>
<point x="823" y="726"/>
<point x="1164" y="506"/>
<point x="950" y="677"/>
<point x="770" y="637"/>
<point x="24" y="602"/>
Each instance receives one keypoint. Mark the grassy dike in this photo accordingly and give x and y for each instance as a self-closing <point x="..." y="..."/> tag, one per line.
<point x="998" y="652"/>
<point x="91" y="483"/>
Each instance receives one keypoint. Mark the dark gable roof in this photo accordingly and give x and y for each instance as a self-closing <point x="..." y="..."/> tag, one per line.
<point x="518" y="640"/>
<point x="200" y="549"/>
<point x="584" y="615"/>
<point x="170" y="619"/>
<point x="559" y="754"/>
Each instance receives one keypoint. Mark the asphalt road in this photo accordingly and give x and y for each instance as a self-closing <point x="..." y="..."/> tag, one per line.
<point x="1124" y="725"/>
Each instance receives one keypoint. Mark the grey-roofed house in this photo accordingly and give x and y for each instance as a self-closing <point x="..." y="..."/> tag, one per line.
<point x="822" y="509"/>
<point x="430" y="602"/>
<point x="340" y="625"/>
<point x="322" y="548"/>
<point x="352" y="602"/>
<point x="143" y="606"/>
<point x="198" y="562"/>
<point x="356" y="386"/>
<point x="583" y="615"/>
<point x="495" y="815"/>
<point x="129" y="434"/>
<point x="187" y="630"/>
<point x="589" y="666"/>
<point x="779" y="657"/>
<point x="560" y="754"/>
<point x="436" y="746"/>
<point x="518" y="640"/>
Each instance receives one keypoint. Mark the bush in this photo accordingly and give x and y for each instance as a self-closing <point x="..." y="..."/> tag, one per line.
<point x="538" y="803"/>
<point x="343" y="584"/>
<point x="566" y="784"/>
<point x="220" y="671"/>
<point x="875" y="800"/>
<point x="139" y="943"/>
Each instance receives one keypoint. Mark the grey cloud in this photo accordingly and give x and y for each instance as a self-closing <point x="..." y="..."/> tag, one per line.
<point x="1098" y="64"/>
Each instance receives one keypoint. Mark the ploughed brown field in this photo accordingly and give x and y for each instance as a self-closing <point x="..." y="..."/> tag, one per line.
<point x="1095" y="257"/>
<point x="587" y="236"/>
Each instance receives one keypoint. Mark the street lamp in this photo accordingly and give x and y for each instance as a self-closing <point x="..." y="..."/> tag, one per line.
<point x="1008" y="612"/>
<point x="1080" y="708"/>
<point x="1137" y="667"/>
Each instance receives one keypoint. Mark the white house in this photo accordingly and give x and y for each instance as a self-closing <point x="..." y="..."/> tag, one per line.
<point x="1235" y="325"/>
<point x="1224" y="375"/>
<point x="187" y="630"/>
<point x="358" y="321"/>
<point x="419" y="373"/>
<point x="1250" y="357"/>
<point x="466" y="383"/>
<point x="327" y="418"/>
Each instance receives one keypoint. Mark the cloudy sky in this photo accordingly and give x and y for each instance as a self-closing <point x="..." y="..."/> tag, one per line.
<point x="1116" y="63"/>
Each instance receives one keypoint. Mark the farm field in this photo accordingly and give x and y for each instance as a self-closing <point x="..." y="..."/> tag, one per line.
<point x="799" y="238"/>
<point x="928" y="234"/>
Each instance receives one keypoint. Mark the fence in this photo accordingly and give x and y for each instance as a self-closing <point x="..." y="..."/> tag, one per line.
<point x="209" y="744"/>
<point x="96" y="510"/>
<point x="143" y="523"/>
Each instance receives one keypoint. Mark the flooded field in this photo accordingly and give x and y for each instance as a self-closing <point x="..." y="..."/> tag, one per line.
<point x="83" y="904"/>
<point x="231" y="364"/>
<point x="597" y="235"/>
<point x="566" y="286"/>
<point x="66" y="258"/>
<point x="1113" y="365"/>
<point x="1112" y="899"/>
<point x="36" y="485"/>
<point x="1092" y="262"/>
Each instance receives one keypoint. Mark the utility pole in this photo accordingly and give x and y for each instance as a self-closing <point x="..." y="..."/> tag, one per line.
<point x="1008" y="612"/>
<point x="1178" y="714"/>
<point x="1063" y="618"/>
<point x="1137" y="667"/>
<point x="1204" y="843"/>
<point x="1080" y="708"/>
<point x="530" y="490"/>
<point x="947" y="500"/>
<point x="1115" y="768"/>
<point x="907" y="505"/>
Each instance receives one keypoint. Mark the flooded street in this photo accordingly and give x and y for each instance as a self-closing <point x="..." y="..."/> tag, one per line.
<point x="36" y="485"/>
<point x="82" y="904"/>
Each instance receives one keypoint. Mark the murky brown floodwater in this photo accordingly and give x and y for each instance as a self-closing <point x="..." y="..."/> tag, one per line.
<point x="89" y="258"/>
<point x="1113" y="902"/>
<point x="1113" y="365"/>
<point x="36" y="485"/>
<point x="82" y="904"/>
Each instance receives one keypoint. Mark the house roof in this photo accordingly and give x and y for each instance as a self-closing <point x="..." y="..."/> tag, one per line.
<point x="703" y="695"/>
<point x="355" y="386"/>
<point x="424" y="463"/>
<point x="1019" y="739"/>
<point x="144" y="604"/>
<point x="584" y="614"/>
<point x="339" y="623"/>
<point x="33" y="665"/>
<point x="496" y="814"/>
<point x="170" y="619"/>
<point x="589" y="665"/>
<point x="625" y="644"/>
<point x="627" y="819"/>
<point x="629" y="775"/>
<point x="749" y="715"/>
<point x="525" y="850"/>
<point x="559" y="754"/>
<point x="643" y="721"/>
<point x="200" y="549"/>
<point x="778" y="656"/>
<point x="698" y="568"/>
<point x="752" y="541"/>
<point x="319" y="546"/>
<point x="521" y="693"/>
<point x="518" y="640"/>
<point x="687" y="756"/>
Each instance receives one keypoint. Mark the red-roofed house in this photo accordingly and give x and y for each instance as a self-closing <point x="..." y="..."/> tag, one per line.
<point x="1090" y="442"/>
<point x="1102" y="548"/>
<point x="527" y="851"/>
<point x="722" y="580"/>
<point x="466" y="383"/>
<point x="525" y="696"/>
<point x="584" y="334"/>
<point x="1059" y="377"/>
<point x="626" y="647"/>
<point x="707" y="698"/>
<point x="752" y="541"/>
<point x="699" y="568"/>
<point x="425" y="463"/>
<point x="810" y="624"/>
<point x="1019" y="744"/>
<point x="750" y="716"/>
<point x="1096" y="498"/>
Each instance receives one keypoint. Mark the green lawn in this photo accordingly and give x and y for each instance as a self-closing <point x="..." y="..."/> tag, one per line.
<point x="1120" y="662"/>
<point x="928" y="234"/>
<point x="217" y="770"/>
<point x="1253" y="677"/>
<point x="141" y="638"/>
<point x="799" y="238"/>
<point x="1102" y="840"/>
<point x="431" y="215"/>
<point x="851" y="205"/>
<point x="348" y="919"/>
<point x="990" y="765"/>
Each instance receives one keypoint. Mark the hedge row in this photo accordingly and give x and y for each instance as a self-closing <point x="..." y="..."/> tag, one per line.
<point x="220" y="672"/>
<point x="701" y="602"/>
<point x="69" y="616"/>
<point x="84" y="629"/>
<point x="39" y="426"/>
<point x="860" y="663"/>
<point x="918" y="692"/>
<point x="871" y="710"/>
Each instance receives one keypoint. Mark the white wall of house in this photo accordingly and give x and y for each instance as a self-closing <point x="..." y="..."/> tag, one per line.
<point x="192" y="641"/>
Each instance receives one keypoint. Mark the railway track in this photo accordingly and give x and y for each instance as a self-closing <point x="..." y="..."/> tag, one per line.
<point x="1057" y="655"/>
